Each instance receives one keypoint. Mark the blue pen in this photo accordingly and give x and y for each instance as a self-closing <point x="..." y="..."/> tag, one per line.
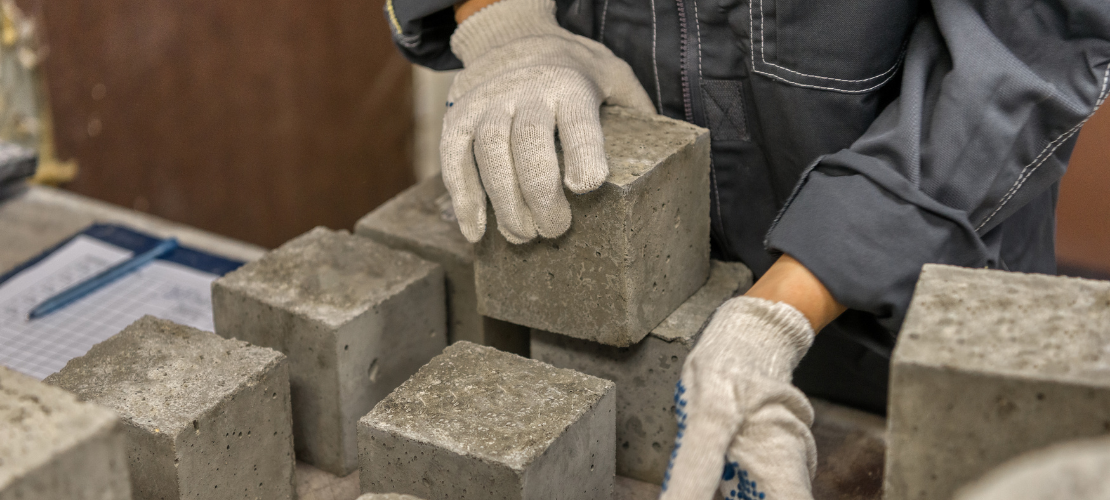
<point x="75" y="292"/>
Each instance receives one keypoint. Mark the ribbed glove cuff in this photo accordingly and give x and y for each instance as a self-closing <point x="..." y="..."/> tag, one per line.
<point x="777" y="331"/>
<point x="502" y="22"/>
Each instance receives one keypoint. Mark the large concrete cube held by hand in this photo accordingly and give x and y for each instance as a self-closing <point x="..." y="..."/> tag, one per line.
<point x="991" y="364"/>
<point x="646" y="372"/>
<point x="356" y="319"/>
<point x="637" y="247"/>
<point x="52" y="446"/>
<point x="421" y="220"/>
<point x="478" y="423"/>
<point x="205" y="417"/>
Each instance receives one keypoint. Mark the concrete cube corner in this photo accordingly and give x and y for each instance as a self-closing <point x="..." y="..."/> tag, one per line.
<point x="356" y="319"/>
<point x="990" y="364"/>
<point x="637" y="248"/>
<point x="476" y="422"/>
<point x="203" y="416"/>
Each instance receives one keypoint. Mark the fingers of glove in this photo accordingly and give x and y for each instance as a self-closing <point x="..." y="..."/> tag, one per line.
<point x="773" y="456"/>
<point x="537" y="167"/>
<point x="460" y="174"/>
<point x="495" y="164"/>
<point x="623" y="88"/>
<point x="706" y="426"/>
<point x="582" y="140"/>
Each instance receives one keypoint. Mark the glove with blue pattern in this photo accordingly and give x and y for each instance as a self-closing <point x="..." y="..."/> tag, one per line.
<point x="739" y="413"/>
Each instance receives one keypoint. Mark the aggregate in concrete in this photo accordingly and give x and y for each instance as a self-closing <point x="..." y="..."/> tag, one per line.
<point x="421" y="220"/>
<point x="646" y="372"/>
<point x="205" y="417"/>
<point x="1076" y="470"/>
<point x="387" y="496"/>
<point x="988" y="365"/>
<point x="52" y="446"/>
<point x="356" y="319"/>
<point x="478" y="423"/>
<point x="637" y="248"/>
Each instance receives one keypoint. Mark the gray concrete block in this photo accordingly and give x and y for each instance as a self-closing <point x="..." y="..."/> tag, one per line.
<point x="421" y="220"/>
<point x="315" y="484"/>
<point x="480" y="423"/>
<point x="1076" y="470"/>
<point x="637" y="248"/>
<point x="52" y="446"/>
<point x="205" y="417"/>
<point x="991" y="364"/>
<point x="646" y="372"/>
<point x="386" y="496"/>
<point x="356" y="319"/>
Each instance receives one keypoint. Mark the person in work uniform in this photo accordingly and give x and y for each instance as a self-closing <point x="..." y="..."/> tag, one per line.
<point x="852" y="142"/>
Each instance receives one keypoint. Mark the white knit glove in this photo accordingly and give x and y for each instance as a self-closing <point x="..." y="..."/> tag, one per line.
<point x="738" y="411"/>
<point x="523" y="76"/>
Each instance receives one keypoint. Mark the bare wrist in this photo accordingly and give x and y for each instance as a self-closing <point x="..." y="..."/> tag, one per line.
<point x="465" y="9"/>
<point x="789" y="281"/>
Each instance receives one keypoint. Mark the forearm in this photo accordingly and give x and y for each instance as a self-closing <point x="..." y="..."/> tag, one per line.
<point x="789" y="281"/>
<point x="465" y="8"/>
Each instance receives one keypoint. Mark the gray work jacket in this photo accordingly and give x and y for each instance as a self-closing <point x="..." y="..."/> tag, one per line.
<point x="866" y="137"/>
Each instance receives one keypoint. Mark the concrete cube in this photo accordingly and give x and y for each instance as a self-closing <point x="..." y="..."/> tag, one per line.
<point x="990" y="364"/>
<point x="356" y="319"/>
<point x="52" y="446"/>
<point x="478" y="423"/>
<point x="637" y="248"/>
<point x="205" y="417"/>
<point x="421" y="220"/>
<point x="386" y="496"/>
<point x="646" y="372"/>
<point x="1076" y="470"/>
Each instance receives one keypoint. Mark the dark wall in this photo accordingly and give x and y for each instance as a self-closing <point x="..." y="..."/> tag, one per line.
<point x="1083" y="234"/>
<point x="257" y="119"/>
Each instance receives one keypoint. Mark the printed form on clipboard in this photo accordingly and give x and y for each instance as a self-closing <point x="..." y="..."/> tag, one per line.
<point x="176" y="287"/>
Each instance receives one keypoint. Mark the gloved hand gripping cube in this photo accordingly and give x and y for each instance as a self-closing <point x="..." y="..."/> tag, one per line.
<point x="738" y="412"/>
<point x="523" y="77"/>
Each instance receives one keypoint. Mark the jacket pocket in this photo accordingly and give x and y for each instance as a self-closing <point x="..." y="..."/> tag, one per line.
<point x="851" y="46"/>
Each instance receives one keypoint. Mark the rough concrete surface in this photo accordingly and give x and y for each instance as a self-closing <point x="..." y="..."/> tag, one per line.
<point x="421" y="220"/>
<point x="387" y="496"/>
<point x="356" y="319"/>
<point x="990" y="364"/>
<point x="479" y="423"/>
<point x="52" y="446"/>
<point x="205" y="417"/>
<point x="637" y="248"/>
<point x="1077" y="470"/>
<point x="316" y="484"/>
<point x="646" y="372"/>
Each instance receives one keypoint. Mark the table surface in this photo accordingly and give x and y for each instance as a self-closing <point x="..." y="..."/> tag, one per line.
<point x="42" y="217"/>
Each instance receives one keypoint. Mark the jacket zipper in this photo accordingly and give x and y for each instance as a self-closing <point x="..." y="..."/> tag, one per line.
<point x="689" y="59"/>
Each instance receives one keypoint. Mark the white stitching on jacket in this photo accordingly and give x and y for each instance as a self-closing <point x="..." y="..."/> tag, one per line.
<point x="655" y="61"/>
<point x="888" y="74"/>
<point x="1048" y="150"/>
<point x="697" y="26"/>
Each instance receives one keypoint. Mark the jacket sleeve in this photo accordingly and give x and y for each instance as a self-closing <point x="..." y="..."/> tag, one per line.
<point x="993" y="94"/>
<point x="422" y="30"/>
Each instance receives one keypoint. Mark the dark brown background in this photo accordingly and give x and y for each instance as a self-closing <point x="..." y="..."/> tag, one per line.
<point x="260" y="119"/>
<point x="1083" y="233"/>
<point x="255" y="119"/>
